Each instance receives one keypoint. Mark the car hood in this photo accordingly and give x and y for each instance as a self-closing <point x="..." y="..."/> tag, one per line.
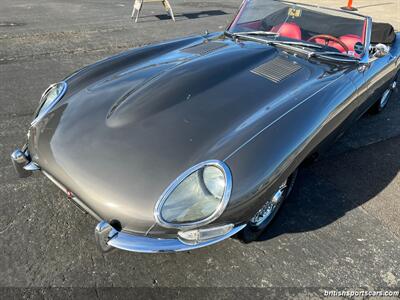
<point x="128" y="126"/>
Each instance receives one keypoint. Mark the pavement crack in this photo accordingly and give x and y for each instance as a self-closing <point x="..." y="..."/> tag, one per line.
<point x="8" y="226"/>
<point x="384" y="225"/>
<point x="96" y="291"/>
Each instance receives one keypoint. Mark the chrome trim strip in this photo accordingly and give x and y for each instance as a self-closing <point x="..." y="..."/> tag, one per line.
<point x="55" y="181"/>
<point x="39" y="114"/>
<point x="78" y="201"/>
<point x="221" y="207"/>
<point x="106" y="236"/>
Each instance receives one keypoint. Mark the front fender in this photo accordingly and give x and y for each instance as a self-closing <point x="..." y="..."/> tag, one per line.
<point x="261" y="164"/>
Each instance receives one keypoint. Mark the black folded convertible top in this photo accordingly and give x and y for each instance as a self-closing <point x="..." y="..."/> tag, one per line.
<point x="382" y="33"/>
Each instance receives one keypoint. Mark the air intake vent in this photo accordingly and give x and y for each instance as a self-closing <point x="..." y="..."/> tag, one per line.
<point x="277" y="69"/>
<point x="204" y="48"/>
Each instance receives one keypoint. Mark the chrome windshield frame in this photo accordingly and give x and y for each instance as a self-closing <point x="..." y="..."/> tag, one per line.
<point x="364" y="58"/>
<point x="367" y="42"/>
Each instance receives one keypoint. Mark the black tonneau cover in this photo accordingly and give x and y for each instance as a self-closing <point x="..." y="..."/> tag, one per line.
<point x="382" y="33"/>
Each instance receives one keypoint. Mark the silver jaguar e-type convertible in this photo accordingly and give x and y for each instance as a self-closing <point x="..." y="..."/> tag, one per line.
<point x="183" y="144"/>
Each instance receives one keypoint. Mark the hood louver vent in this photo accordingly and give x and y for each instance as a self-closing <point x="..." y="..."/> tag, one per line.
<point x="277" y="69"/>
<point x="204" y="48"/>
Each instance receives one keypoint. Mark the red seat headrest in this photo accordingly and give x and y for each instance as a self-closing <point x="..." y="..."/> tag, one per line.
<point x="290" y="30"/>
<point x="350" y="40"/>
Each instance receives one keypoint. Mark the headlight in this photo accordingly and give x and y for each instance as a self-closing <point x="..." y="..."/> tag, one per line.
<point x="49" y="98"/>
<point x="195" y="198"/>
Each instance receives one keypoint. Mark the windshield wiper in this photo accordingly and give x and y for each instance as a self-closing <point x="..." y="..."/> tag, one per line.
<point x="337" y="56"/>
<point x="247" y="33"/>
<point x="297" y="43"/>
<point x="262" y="33"/>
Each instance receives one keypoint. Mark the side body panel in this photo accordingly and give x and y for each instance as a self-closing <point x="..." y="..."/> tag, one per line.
<point x="379" y="75"/>
<point x="270" y="157"/>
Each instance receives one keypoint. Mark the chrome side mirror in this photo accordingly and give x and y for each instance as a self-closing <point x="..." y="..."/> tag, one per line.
<point x="381" y="50"/>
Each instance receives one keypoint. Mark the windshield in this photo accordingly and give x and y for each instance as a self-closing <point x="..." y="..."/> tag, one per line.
<point x="336" y="31"/>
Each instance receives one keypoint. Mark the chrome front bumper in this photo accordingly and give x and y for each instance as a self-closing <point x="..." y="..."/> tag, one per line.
<point x="108" y="238"/>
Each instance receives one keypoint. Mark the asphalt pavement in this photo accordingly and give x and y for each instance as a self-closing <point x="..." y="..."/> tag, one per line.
<point x="340" y="227"/>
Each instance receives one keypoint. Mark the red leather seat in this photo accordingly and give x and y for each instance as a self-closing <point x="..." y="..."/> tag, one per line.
<point x="290" y="30"/>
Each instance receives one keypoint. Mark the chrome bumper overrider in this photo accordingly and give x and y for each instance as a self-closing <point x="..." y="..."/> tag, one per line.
<point x="107" y="238"/>
<point x="22" y="163"/>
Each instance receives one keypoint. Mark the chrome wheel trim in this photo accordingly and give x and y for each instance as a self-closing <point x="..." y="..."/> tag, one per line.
<point x="270" y="207"/>
<point x="385" y="98"/>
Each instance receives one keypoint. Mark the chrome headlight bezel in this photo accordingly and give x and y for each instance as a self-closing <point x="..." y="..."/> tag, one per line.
<point x="40" y="113"/>
<point x="170" y="189"/>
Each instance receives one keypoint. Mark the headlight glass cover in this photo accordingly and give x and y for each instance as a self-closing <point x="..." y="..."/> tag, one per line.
<point x="195" y="198"/>
<point x="50" y="97"/>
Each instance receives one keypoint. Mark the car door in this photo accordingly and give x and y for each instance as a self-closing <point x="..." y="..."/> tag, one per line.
<point x="377" y="77"/>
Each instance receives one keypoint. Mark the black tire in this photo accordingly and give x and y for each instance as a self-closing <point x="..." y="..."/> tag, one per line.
<point x="253" y="231"/>
<point x="381" y="104"/>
